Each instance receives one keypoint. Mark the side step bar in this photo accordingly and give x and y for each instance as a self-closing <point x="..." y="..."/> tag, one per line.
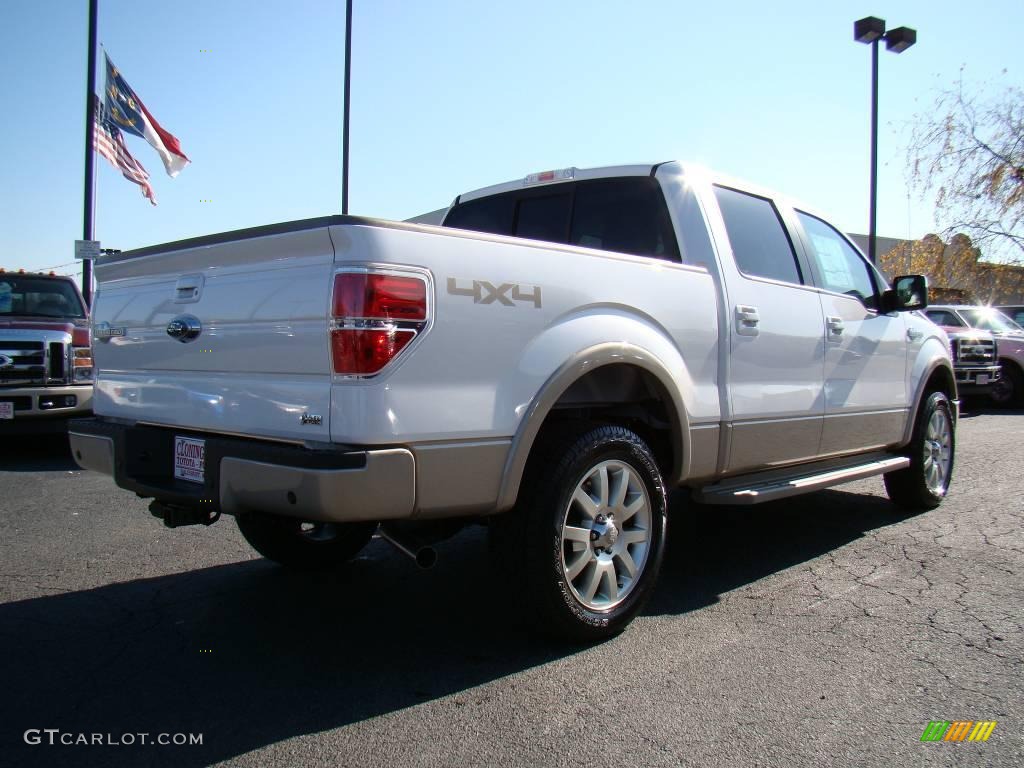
<point x="752" y="492"/>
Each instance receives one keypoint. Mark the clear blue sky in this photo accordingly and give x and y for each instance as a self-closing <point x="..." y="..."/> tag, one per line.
<point x="452" y="95"/>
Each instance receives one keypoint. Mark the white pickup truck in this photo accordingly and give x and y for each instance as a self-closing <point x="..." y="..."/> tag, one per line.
<point x="554" y="358"/>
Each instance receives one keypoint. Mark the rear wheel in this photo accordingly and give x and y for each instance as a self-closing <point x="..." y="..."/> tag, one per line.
<point x="589" y="530"/>
<point x="304" y="545"/>
<point x="1008" y="391"/>
<point x="924" y="484"/>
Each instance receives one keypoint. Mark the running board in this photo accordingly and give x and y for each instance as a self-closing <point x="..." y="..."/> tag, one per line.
<point x="738" y="492"/>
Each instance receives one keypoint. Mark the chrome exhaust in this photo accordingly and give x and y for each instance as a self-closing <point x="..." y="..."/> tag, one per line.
<point x="424" y="555"/>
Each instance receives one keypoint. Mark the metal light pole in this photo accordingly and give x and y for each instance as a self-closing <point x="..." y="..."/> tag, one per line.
<point x="90" y="155"/>
<point x="348" y="92"/>
<point x="872" y="30"/>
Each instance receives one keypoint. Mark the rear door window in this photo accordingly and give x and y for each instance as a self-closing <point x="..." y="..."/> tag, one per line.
<point x="760" y="244"/>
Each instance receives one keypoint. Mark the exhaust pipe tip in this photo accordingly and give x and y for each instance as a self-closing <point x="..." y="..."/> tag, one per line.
<point x="426" y="557"/>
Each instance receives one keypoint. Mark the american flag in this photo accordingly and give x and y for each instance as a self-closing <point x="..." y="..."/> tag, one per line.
<point x="108" y="140"/>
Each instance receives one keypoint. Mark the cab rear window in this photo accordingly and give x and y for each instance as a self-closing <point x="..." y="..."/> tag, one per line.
<point x="625" y="215"/>
<point x="486" y="214"/>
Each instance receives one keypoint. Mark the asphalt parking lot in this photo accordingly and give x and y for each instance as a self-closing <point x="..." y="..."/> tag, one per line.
<point x="826" y="630"/>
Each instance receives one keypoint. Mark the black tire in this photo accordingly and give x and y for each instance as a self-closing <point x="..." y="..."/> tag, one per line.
<point x="531" y="551"/>
<point x="304" y="546"/>
<point x="1008" y="392"/>
<point x="914" y="488"/>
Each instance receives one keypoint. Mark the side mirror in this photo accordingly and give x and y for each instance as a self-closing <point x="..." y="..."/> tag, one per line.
<point x="908" y="293"/>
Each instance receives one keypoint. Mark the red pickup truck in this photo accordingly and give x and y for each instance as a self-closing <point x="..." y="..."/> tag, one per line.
<point x="996" y="341"/>
<point x="45" y="356"/>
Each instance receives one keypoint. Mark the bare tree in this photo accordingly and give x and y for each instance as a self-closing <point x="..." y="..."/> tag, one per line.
<point x="969" y="152"/>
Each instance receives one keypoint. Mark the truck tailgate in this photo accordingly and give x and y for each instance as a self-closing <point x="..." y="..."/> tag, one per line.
<point x="260" y="361"/>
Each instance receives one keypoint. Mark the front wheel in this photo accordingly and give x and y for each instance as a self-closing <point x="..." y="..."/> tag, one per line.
<point x="924" y="484"/>
<point x="1008" y="391"/>
<point x="304" y="545"/>
<point x="590" y="527"/>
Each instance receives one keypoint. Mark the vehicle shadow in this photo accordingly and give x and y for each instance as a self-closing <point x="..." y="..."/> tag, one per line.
<point x="715" y="549"/>
<point x="36" y="453"/>
<point x="977" y="407"/>
<point x="250" y="655"/>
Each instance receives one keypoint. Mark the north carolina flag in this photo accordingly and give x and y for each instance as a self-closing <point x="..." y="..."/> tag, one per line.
<point x="125" y="110"/>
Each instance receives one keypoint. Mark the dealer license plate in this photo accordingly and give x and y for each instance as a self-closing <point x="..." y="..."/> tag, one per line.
<point x="189" y="459"/>
<point x="7" y="410"/>
<point x="982" y="378"/>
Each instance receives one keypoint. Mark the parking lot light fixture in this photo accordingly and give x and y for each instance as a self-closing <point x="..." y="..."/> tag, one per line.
<point x="868" y="29"/>
<point x="899" y="39"/>
<point x="871" y="30"/>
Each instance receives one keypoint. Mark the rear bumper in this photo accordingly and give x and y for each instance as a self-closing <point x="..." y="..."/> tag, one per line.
<point x="45" y="409"/>
<point x="344" y="484"/>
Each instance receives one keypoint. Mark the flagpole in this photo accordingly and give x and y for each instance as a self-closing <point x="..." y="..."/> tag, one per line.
<point x="89" y="208"/>
<point x="348" y="89"/>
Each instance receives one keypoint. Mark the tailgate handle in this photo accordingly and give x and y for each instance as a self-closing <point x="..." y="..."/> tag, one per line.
<point x="188" y="288"/>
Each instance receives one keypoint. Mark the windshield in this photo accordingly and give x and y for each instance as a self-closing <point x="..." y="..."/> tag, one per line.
<point x="991" y="320"/>
<point x="38" y="297"/>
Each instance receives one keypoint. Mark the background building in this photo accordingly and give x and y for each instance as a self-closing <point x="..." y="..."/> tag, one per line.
<point x="955" y="271"/>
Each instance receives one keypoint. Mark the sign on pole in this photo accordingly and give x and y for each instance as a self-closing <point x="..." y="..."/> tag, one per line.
<point x="87" y="249"/>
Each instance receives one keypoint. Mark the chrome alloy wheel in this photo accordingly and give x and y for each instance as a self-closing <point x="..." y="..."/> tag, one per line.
<point x="938" y="454"/>
<point x="606" y="535"/>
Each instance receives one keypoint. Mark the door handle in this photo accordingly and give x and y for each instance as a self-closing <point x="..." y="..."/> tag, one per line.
<point x="835" y="326"/>
<point x="747" y="320"/>
<point x="188" y="288"/>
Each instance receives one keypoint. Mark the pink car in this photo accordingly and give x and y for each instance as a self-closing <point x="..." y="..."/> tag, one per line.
<point x="1008" y="389"/>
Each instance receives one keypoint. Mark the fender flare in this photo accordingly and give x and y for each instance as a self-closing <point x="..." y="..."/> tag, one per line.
<point x="933" y="366"/>
<point x="583" y="362"/>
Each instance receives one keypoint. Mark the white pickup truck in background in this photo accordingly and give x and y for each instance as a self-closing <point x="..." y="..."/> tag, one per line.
<point x="553" y="359"/>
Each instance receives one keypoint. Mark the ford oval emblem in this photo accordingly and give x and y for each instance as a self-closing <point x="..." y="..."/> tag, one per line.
<point x="184" y="328"/>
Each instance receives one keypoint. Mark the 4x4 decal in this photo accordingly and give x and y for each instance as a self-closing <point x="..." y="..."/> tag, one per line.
<point x="507" y="294"/>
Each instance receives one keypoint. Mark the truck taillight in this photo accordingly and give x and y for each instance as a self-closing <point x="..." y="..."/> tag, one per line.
<point x="379" y="296"/>
<point x="374" y="317"/>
